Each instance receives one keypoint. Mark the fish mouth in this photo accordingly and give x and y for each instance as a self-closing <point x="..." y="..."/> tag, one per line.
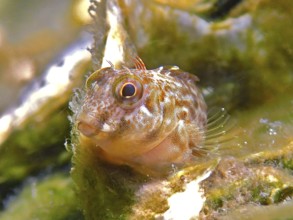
<point x="97" y="131"/>
<point x="87" y="129"/>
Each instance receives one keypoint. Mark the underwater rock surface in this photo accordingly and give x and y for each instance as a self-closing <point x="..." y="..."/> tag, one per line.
<point x="228" y="185"/>
<point x="242" y="54"/>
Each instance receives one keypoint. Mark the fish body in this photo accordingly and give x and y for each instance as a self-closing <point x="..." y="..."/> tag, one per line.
<point x="149" y="120"/>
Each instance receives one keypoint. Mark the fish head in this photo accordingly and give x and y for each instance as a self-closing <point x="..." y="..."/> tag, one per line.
<point x="127" y="112"/>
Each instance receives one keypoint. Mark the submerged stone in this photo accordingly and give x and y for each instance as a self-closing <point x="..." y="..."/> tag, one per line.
<point x="242" y="53"/>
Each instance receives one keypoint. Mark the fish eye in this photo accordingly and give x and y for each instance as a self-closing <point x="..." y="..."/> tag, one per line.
<point x="128" y="90"/>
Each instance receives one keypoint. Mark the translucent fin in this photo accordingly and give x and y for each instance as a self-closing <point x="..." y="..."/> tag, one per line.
<point x="219" y="131"/>
<point x="178" y="73"/>
<point x="139" y="64"/>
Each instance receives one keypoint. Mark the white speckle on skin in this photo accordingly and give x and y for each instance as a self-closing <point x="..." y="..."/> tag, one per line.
<point x="145" y="111"/>
<point x="167" y="100"/>
<point x="106" y="127"/>
<point x="128" y="117"/>
<point x="168" y="121"/>
<point x="184" y="109"/>
<point x="158" y="77"/>
<point x="187" y="204"/>
<point x="181" y="124"/>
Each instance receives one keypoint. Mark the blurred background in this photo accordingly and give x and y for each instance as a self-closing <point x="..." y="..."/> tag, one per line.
<point x="242" y="52"/>
<point x="32" y="34"/>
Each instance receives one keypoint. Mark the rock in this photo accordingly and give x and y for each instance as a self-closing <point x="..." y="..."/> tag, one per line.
<point x="243" y="57"/>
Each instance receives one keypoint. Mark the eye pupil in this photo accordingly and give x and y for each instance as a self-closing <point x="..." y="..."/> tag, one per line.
<point x="128" y="90"/>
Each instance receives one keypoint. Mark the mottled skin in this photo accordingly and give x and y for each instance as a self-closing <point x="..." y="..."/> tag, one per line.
<point x="162" y="124"/>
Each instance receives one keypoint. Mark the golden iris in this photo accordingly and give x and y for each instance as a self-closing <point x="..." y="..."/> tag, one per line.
<point x="128" y="90"/>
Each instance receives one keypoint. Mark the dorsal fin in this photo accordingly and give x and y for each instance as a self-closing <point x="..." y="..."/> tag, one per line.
<point x="139" y="64"/>
<point x="178" y="73"/>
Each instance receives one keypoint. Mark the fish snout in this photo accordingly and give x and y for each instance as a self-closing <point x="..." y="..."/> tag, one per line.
<point x="87" y="129"/>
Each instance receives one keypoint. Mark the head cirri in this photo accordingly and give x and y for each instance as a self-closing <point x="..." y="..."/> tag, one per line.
<point x="146" y="119"/>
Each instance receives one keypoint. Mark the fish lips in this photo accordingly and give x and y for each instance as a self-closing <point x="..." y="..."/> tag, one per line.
<point x="87" y="129"/>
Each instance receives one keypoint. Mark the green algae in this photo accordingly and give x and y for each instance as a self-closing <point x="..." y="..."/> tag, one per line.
<point x="241" y="76"/>
<point x="281" y="160"/>
<point x="104" y="191"/>
<point x="245" y="73"/>
<point x="259" y="183"/>
<point x="234" y="184"/>
<point x="32" y="151"/>
<point x="254" y="60"/>
<point x="40" y="146"/>
<point x="51" y="197"/>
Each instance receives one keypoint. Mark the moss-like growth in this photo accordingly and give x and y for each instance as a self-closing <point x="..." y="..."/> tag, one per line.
<point x="31" y="150"/>
<point x="253" y="183"/>
<point x="283" y="194"/>
<point x="104" y="191"/>
<point x="242" y="66"/>
<point x="49" y="198"/>
<point x="245" y="58"/>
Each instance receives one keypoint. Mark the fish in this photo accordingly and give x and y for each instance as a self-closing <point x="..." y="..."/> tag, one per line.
<point x="149" y="120"/>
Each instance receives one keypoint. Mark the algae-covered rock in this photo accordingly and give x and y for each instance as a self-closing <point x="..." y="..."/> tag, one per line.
<point x="222" y="187"/>
<point x="241" y="51"/>
<point x="244" y="56"/>
<point x="237" y="185"/>
<point x="49" y="197"/>
<point x="206" y="190"/>
<point x="34" y="126"/>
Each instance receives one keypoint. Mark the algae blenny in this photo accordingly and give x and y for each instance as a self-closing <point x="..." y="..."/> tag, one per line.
<point x="150" y="120"/>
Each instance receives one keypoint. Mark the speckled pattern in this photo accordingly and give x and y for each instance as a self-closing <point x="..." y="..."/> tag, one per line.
<point x="162" y="124"/>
